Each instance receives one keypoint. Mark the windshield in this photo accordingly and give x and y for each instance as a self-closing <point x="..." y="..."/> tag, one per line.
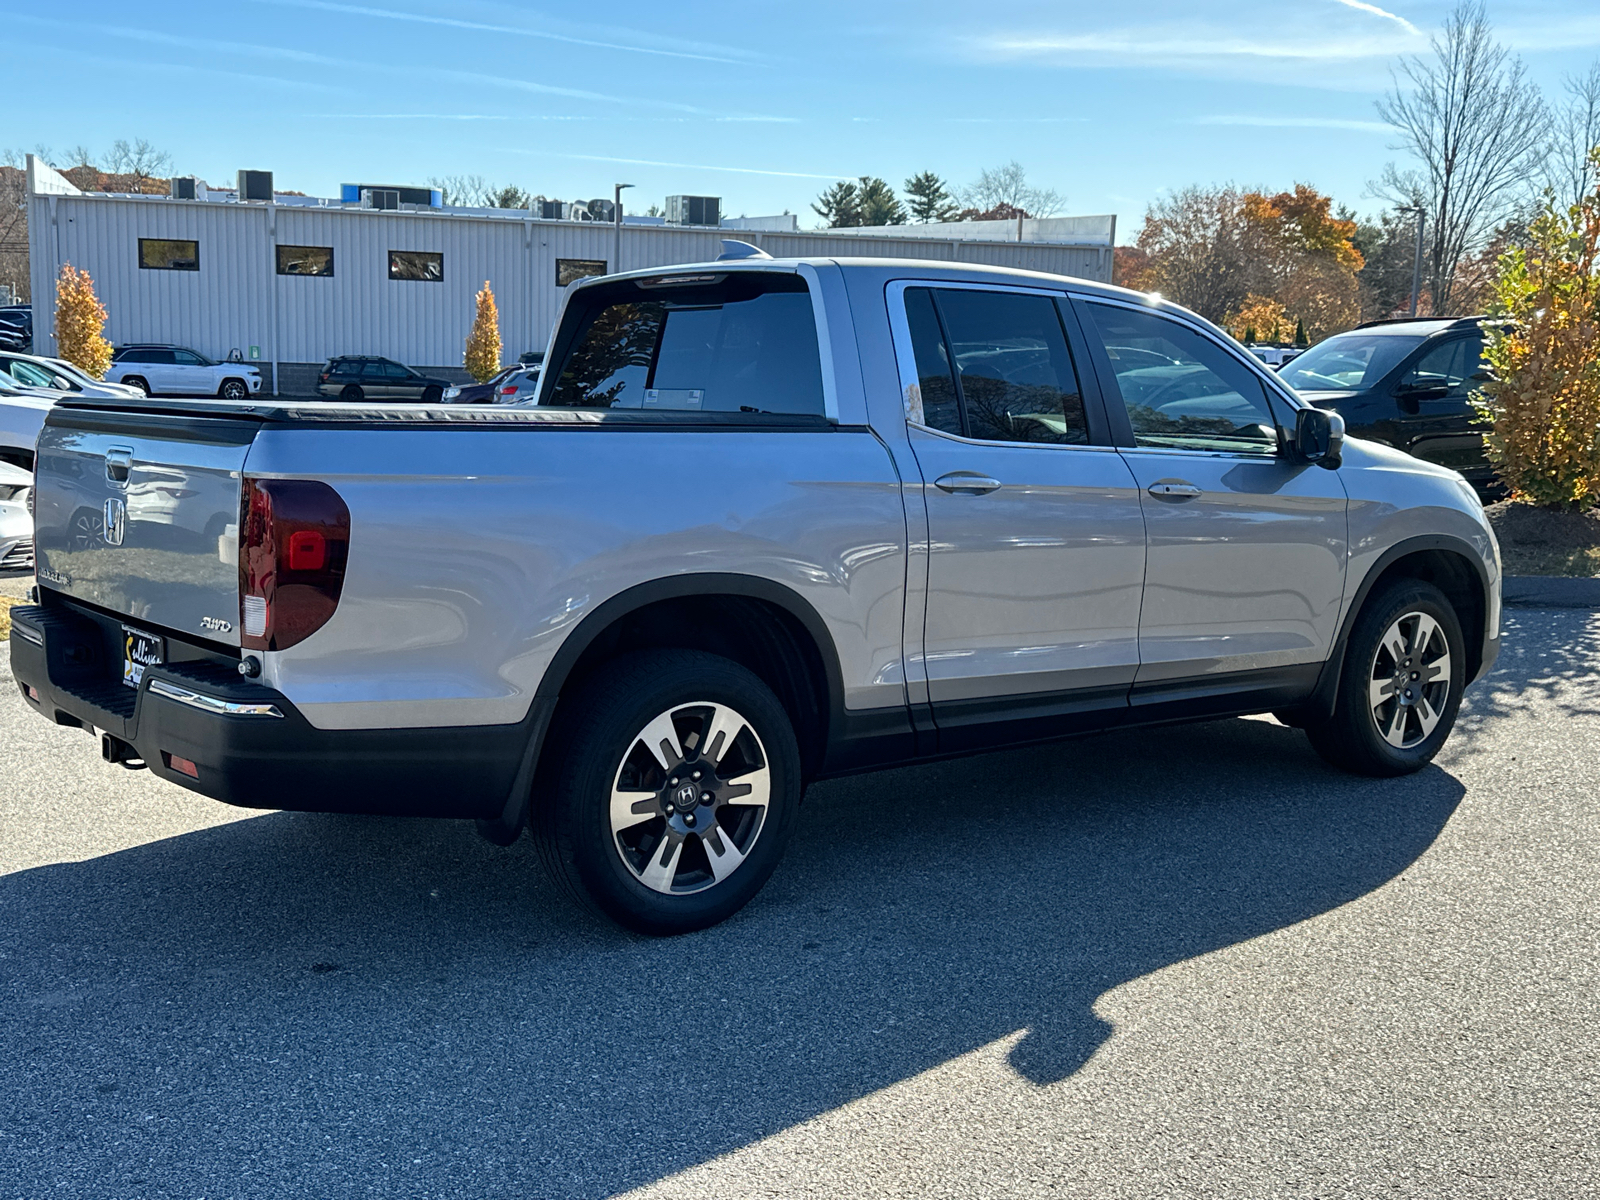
<point x="1348" y="362"/>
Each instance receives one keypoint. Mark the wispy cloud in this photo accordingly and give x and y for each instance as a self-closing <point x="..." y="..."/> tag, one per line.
<point x="1294" y="123"/>
<point x="651" y="162"/>
<point x="1361" y="6"/>
<point x="725" y="55"/>
<point x="1175" y="45"/>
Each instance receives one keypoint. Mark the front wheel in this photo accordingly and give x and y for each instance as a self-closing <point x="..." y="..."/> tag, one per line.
<point x="233" y="389"/>
<point x="1404" y="674"/>
<point x="674" y="784"/>
<point x="432" y="395"/>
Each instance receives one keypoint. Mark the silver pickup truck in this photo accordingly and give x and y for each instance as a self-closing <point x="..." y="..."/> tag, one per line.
<point x="768" y="522"/>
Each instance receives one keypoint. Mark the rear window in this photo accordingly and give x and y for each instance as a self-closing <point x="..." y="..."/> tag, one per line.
<point x="740" y="342"/>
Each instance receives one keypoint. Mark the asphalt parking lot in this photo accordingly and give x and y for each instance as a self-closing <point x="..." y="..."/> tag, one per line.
<point x="1186" y="962"/>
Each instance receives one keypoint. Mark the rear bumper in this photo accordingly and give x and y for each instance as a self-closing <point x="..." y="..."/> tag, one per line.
<point x="249" y="744"/>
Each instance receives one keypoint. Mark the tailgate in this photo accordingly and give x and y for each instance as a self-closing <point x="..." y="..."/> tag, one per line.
<point x="138" y="513"/>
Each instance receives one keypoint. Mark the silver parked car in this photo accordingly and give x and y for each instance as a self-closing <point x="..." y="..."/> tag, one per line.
<point x="35" y="371"/>
<point x="769" y="521"/>
<point x="16" y="519"/>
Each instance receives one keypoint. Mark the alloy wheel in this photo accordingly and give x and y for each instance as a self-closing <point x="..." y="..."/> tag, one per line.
<point x="690" y="798"/>
<point x="1408" y="687"/>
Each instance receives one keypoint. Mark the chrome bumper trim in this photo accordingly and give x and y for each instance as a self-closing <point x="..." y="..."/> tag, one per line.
<point x="212" y="704"/>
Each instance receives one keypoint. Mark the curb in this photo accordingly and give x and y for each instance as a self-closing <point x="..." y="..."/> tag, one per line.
<point x="1549" y="591"/>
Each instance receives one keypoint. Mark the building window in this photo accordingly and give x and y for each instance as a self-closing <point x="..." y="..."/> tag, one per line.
<point x="570" y="270"/>
<point x="168" y="254"/>
<point x="423" y="266"/>
<point x="305" y="260"/>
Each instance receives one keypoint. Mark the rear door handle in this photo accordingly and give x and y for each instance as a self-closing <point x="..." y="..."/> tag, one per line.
<point x="1180" y="491"/>
<point x="965" y="483"/>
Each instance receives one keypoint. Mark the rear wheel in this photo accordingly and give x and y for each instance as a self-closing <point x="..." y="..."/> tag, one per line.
<point x="352" y="394"/>
<point x="137" y="381"/>
<point x="673" y="785"/>
<point x="1404" y="674"/>
<point x="233" y="389"/>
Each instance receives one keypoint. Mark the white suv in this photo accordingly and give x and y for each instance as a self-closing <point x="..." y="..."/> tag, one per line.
<point x="176" y="371"/>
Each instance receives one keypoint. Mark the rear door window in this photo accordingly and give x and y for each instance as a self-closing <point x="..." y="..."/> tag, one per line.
<point x="740" y="342"/>
<point x="1004" y="357"/>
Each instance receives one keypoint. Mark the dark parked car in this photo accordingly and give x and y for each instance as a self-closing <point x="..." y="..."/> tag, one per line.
<point x="1407" y="383"/>
<point x="511" y="385"/>
<point x="16" y="329"/>
<point x="353" y="377"/>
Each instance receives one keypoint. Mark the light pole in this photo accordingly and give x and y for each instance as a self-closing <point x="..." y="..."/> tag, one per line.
<point x="616" y="216"/>
<point x="1416" y="269"/>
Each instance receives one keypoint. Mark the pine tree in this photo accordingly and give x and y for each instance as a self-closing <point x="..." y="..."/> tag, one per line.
<point x="80" y="318"/>
<point x="878" y="205"/>
<point x="929" y="198"/>
<point x="483" y="343"/>
<point x="1300" y="338"/>
<point x="839" y="206"/>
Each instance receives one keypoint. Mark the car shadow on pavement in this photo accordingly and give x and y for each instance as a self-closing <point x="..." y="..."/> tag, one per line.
<point x="313" y="1005"/>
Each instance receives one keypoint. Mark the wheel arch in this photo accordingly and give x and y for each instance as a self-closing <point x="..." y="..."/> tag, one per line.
<point x="757" y="622"/>
<point x="1450" y="564"/>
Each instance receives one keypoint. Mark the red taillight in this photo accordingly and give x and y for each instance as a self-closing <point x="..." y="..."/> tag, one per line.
<point x="294" y="535"/>
<point x="509" y="391"/>
<point x="323" y="378"/>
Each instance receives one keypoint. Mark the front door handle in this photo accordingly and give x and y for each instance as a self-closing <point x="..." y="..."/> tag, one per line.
<point x="1178" y="491"/>
<point x="965" y="483"/>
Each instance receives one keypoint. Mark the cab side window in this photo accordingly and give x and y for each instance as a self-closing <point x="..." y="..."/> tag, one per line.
<point x="995" y="366"/>
<point x="1444" y="370"/>
<point x="1181" y="390"/>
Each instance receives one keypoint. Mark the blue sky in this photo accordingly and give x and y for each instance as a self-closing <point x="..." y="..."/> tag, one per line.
<point x="761" y="103"/>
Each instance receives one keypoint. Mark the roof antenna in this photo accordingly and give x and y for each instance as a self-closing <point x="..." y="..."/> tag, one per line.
<point x="732" y="249"/>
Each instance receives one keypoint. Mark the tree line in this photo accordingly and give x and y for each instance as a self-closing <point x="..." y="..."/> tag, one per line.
<point x="1484" y="149"/>
<point x="1001" y="193"/>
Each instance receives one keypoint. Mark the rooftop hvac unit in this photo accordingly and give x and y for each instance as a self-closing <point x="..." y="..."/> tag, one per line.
<point x="255" y="185"/>
<point x="694" y="210"/>
<point x="382" y="198"/>
<point x="548" y="210"/>
<point x="578" y="210"/>
<point x="602" y="209"/>
<point x="423" y="197"/>
<point x="184" y="188"/>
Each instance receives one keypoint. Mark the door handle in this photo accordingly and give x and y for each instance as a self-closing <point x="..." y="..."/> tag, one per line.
<point x="1178" y="491"/>
<point x="965" y="483"/>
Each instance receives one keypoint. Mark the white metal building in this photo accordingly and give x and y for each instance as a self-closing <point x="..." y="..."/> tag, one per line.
<point x="293" y="282"/>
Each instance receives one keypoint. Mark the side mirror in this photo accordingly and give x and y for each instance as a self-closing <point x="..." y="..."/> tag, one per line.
<point x="1319" y="437"/>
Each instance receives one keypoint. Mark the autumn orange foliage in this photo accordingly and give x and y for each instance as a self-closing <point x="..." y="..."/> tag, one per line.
<point x="80" y="318"/>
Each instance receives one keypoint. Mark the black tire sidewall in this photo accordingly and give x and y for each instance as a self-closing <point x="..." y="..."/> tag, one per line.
<point x="1353" y="720"/>
<point x="432" y="395"/>
<point x="346" y="395"/>
<point x="599" y="727"/>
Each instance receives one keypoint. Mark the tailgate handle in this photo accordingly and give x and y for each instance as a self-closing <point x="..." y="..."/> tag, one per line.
<point x="119" y="460"/>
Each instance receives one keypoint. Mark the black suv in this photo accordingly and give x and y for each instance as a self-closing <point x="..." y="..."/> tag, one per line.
<point x="353" y="377"/>
<point x="1407" y="383"/>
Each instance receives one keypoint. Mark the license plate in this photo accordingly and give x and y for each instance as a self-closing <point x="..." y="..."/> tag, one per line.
<point x="140" y="650"/>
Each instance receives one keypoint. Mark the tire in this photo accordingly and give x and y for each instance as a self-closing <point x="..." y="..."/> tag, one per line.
<point x="628" y="830"/>
<point x="233" y="389"/>
<point x="1406" y="652"/>
<point x="432" y="395"/>
<point x="352" y="394"/>
<point x="138" y="381"/>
